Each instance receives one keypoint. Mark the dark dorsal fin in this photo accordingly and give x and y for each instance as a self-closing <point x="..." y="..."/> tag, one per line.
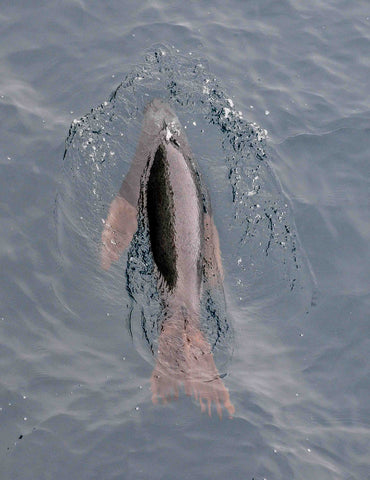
<point x="161" y="217"/>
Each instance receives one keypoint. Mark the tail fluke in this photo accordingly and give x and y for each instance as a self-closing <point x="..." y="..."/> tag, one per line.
<point x="185" y="358"/>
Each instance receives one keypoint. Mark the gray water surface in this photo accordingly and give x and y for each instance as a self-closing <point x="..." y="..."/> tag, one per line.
<point x="75" y="400"/>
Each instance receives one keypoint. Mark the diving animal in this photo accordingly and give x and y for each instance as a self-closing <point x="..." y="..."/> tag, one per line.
<point x="164" y="185"/>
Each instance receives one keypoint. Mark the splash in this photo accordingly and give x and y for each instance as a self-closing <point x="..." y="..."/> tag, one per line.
<point x="264" y="262"/>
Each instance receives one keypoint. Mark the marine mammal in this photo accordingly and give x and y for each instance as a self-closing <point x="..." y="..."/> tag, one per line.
<point x="164" y="185"/>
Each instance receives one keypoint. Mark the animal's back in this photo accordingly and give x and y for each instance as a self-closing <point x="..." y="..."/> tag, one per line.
<point x="160" y="210"/>
<point x="175" y="220"/>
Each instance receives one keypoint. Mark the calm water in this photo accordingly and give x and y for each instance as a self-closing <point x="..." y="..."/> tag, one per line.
<point x="292" y="211"/>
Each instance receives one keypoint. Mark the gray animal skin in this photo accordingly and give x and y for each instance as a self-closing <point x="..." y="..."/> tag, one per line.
<point x="164" y="184"/>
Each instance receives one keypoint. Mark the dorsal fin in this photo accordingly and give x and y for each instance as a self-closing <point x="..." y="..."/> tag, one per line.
<point x="161" y="217"/>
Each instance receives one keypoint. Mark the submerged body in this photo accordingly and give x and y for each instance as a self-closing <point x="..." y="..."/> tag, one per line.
<point x="164" y="186"/>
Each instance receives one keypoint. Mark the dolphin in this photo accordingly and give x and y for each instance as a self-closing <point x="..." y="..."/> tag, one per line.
<point x="165" y="187"/>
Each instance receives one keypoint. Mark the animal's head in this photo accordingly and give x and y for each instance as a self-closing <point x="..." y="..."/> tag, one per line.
<point x="158" y="117"/>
